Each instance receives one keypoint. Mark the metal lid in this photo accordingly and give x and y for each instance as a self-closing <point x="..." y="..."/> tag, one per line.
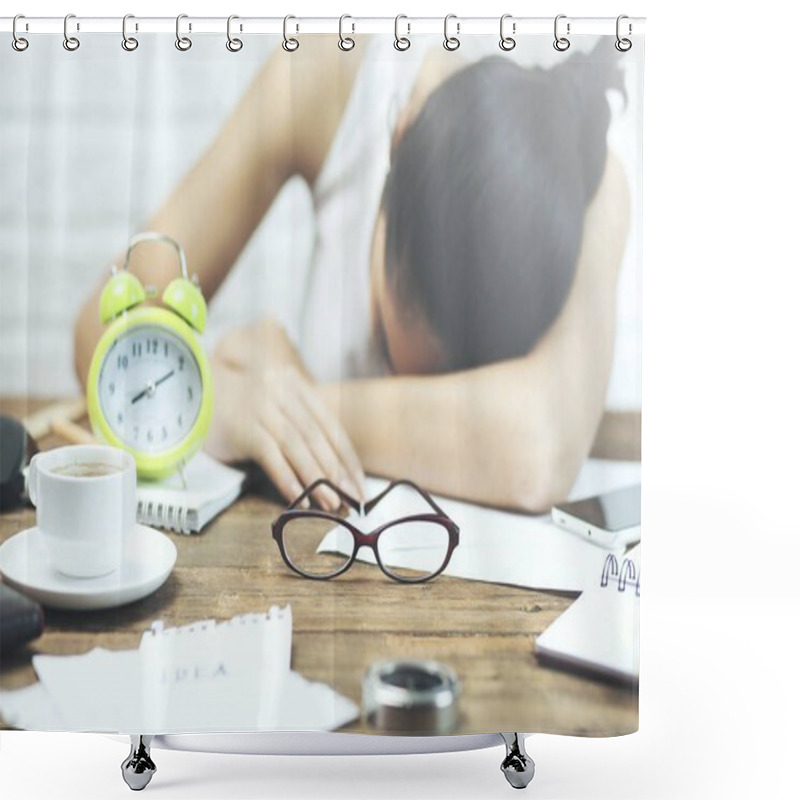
<point x="411" y="695"/>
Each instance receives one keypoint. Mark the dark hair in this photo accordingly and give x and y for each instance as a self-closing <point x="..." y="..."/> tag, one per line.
<point x="486" y="196"/>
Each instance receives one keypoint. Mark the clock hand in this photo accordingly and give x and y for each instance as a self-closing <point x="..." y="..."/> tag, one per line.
<point x="168" y="375"/>
<point x="136" y="398"/>
<point x="150" y="389"/>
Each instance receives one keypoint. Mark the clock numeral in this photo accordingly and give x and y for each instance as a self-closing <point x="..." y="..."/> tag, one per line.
<point x="146" y="360"/>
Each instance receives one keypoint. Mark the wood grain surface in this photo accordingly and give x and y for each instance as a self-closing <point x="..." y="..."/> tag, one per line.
<point x="486" y="632"/>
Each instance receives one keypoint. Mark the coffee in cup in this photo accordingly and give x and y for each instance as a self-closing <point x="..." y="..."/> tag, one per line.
<point x="85" y="498"/>
<point x="88" y="469"/>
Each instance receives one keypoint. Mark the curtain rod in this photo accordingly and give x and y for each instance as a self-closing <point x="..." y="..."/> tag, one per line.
<point x="462" y="26"/>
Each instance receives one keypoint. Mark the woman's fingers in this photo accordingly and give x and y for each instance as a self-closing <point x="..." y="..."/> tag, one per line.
<point x="300" y="441"/>
<point x="280" y="431"/>
<point x="306" y="467"/>
<point x="271" y="459"/>
<point x="339" y="440"/>
<point x="275" y="415"/>
<point x="317" y="443"/>
<point x="322" y="431"/>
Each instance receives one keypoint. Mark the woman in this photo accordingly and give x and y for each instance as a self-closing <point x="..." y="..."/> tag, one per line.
<point x="491" y="274"/>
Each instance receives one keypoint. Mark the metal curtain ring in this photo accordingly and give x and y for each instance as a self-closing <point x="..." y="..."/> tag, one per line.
<point x="233" y="44"/>
<point x="623" y="44"/>
<point x="346" y="42"/>
<point x="561" y="43"/>
<point x="451" y="42"/>
<point x="71" y="43"/>
<point x="18" y="42"/>
<point x="290" y="44"/>
<point x="128" y="42"/>
<point x="401" y="42"/>
<point x="183" y="43"/>
<point x="507" y="42"/>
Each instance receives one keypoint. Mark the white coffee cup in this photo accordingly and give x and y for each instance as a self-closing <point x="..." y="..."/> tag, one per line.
<point x="85" y="498"/>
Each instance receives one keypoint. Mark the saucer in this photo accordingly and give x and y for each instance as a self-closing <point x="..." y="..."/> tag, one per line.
<point x="148" y="559"/>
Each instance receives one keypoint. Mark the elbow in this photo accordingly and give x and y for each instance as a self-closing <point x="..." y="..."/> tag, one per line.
<point x="540" y="475"/>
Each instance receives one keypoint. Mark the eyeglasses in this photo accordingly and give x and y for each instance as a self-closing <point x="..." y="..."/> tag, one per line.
<point x="410" y="549"/>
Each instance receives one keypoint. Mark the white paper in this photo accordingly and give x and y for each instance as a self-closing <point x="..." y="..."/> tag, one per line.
<point x="301" y="705"/>
<point x="31" y="708"/>
<point x="600" y="630"/>
<point x="100" y="691"/>
<point x="232" y="675"/>
<point x="220" y="676"/>
<point x="309" y="706"/>
<point x="495" y="546"/>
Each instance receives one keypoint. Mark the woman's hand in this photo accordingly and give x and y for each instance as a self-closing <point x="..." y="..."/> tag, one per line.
<point x="270" y="410"/>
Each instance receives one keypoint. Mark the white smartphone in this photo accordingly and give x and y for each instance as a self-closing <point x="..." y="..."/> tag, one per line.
<point x="612" y="520"/>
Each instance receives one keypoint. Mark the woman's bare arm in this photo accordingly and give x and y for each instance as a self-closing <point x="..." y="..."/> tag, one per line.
<point x="282" y="126"/>
<point x="513" y="433"/>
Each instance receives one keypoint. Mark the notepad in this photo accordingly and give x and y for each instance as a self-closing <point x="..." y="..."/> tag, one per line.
<point x="210" y="488"/>
<point x="599" y="632"/>
<point x="495" y="546"/>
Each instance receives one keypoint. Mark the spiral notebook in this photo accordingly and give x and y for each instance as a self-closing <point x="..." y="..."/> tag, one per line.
<point x="599" y="632"/>
<point x="210" y="488"/>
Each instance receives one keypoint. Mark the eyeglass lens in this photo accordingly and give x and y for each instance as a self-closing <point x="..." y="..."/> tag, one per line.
<point x="413" y="551"/>
<point x="409" y="551"/>
<point x="302" y="538"/>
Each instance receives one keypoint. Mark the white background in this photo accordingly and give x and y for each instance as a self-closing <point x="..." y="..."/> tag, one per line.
<point x="719" y="695"/>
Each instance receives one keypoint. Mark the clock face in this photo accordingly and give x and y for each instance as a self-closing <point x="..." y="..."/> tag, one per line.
<point x="150" y="388"/>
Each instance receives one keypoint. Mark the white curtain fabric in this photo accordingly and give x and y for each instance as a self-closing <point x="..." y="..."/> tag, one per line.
<point x="93" y="141"/>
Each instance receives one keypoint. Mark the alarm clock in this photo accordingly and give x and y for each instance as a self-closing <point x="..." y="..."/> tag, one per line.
<point x="149" y="387"/>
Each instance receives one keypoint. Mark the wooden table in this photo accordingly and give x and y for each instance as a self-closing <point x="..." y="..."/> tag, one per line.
<point x="486" y="632"/>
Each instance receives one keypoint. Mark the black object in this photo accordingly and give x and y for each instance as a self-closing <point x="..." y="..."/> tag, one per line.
<point x="16" y="450"/>
<point x="20" y="619"/>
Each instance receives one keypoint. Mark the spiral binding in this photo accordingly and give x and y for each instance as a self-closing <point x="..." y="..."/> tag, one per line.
<point x="452" y="30"/>
<point x="161" y="515"/>
<point x="625" y="574"/>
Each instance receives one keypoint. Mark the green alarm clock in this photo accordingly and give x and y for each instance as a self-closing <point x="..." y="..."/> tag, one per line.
<point x="149" y="387"/>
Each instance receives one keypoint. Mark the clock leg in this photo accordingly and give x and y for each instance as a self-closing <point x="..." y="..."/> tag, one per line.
<point x="138" y="768"/>
<point x="181" y="465"/>
<point x="517" y="766"/>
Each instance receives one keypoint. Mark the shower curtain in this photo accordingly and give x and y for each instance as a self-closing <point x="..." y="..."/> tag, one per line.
<point x="312" y="344"/>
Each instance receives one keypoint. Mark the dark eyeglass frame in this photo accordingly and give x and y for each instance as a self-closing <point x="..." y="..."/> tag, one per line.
<point x="361" y="538"/>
